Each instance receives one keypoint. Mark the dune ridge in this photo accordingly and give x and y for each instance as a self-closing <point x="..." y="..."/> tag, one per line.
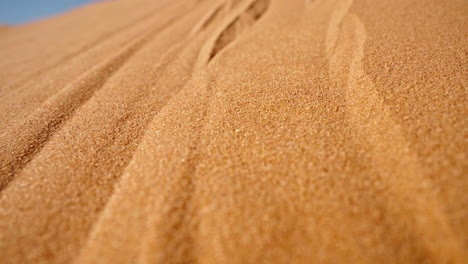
<point x="236" y="131"/>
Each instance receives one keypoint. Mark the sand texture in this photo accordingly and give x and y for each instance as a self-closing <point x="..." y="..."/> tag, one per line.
<point x="237" y="132"/>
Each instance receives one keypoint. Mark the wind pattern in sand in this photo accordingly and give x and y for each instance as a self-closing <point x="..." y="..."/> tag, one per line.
<point x="236" y="131"/>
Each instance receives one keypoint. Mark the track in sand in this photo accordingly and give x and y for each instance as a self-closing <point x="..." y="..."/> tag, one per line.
<point x="236" y="131"/>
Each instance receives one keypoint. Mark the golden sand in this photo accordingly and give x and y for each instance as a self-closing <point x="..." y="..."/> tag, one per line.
<point x="241" y="131"/>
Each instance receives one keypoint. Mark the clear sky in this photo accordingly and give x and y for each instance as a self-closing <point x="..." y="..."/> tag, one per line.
<point x="22" y="11"/>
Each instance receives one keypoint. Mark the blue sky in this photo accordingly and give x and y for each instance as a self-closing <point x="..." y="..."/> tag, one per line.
<point x="22" y="11"/>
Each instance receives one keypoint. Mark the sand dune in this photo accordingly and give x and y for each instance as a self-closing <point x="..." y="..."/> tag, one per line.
<point x="242" y="131"/>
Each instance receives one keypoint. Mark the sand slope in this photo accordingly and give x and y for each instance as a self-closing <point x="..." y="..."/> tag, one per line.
<point x="243" y="131"/>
